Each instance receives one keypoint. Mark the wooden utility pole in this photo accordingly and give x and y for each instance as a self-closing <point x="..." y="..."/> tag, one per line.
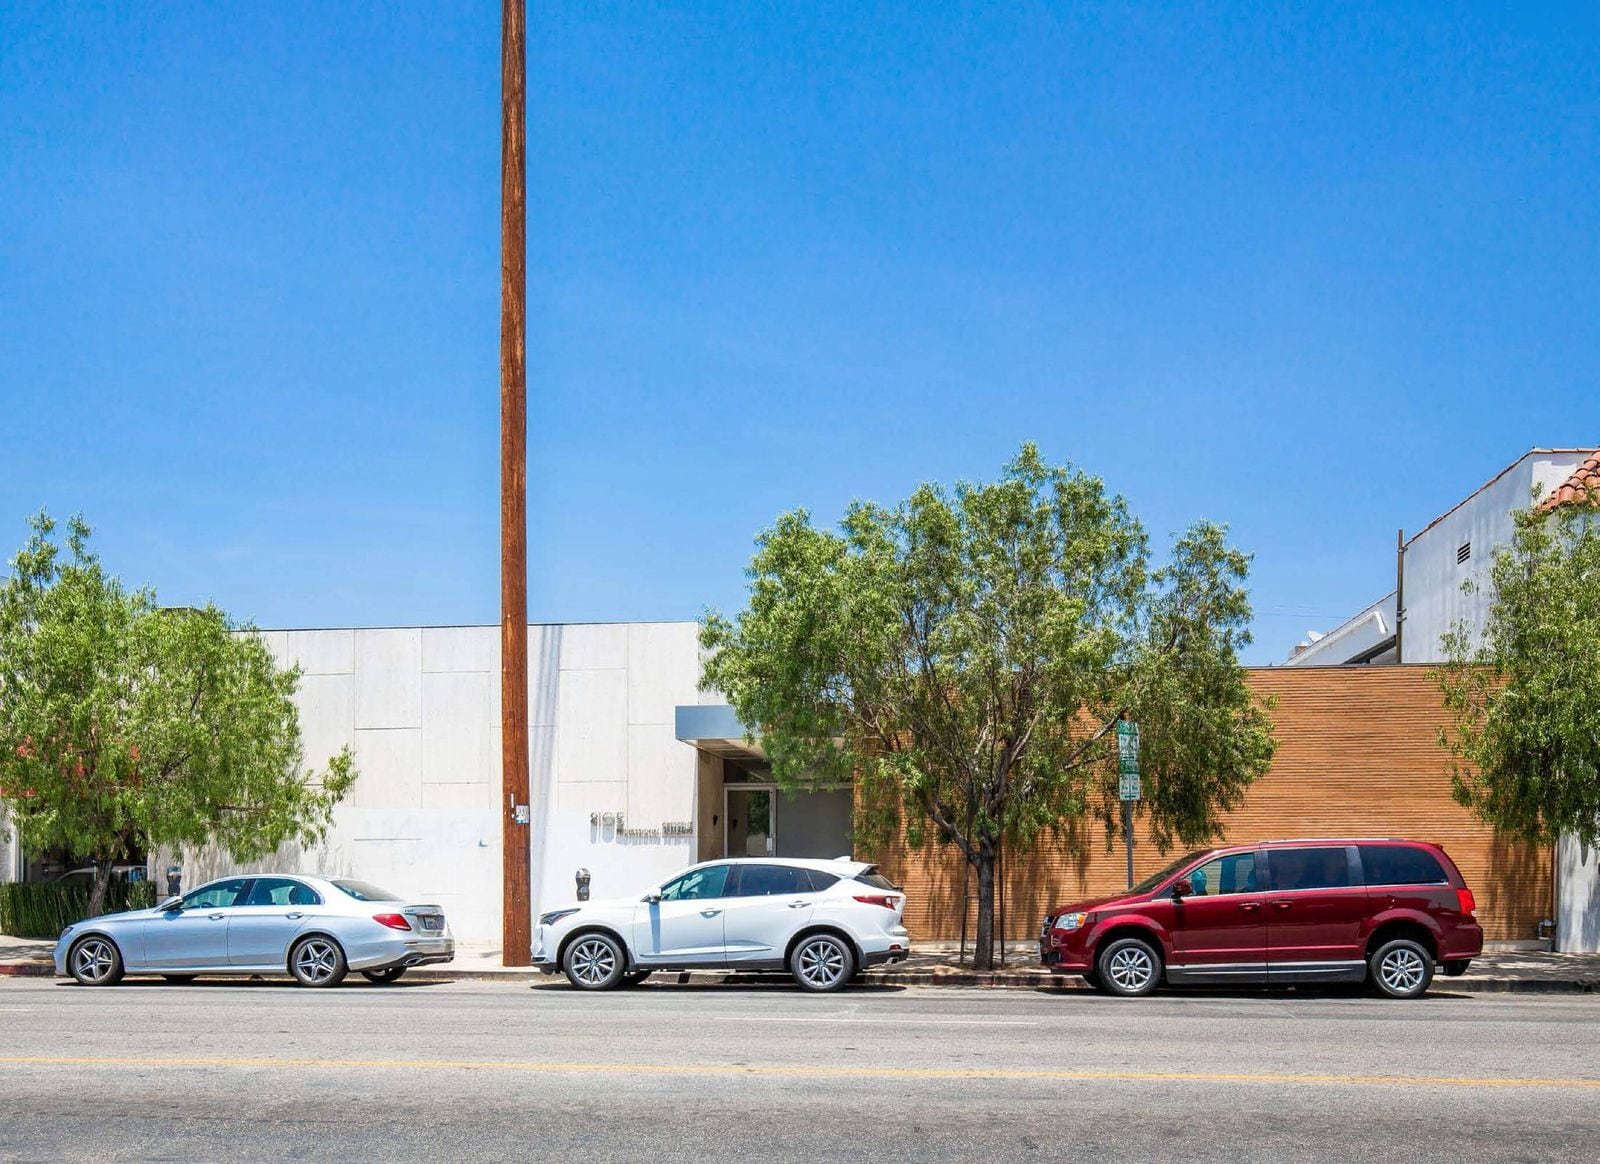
<point x="516" y="924"/>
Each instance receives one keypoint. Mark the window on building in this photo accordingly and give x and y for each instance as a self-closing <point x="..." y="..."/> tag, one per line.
<point x="1463" y="552"/>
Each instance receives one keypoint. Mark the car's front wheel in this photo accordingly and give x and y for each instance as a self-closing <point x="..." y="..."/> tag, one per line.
<point x="594" y="962"/>
<point x="1401" y="969"/>
<point x="822" y="962"/>
<point x="317" y="961"/>
<point x="385" y="976"/>
<point x="95" y="961"/>
<point x="1129" y="967"/>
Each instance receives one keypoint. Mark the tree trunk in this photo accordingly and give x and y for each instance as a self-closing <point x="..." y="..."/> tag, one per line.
<point x="983" y="947"/>
<point x="98" y="887"/>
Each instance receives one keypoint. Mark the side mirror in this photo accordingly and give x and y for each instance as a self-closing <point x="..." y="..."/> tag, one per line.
<point x="1181" y="888"/>
<point x="171" y="905"/>
<point x="653" y="897"/>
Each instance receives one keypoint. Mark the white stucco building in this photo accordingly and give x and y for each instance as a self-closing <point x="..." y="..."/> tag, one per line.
<point x="633" y="772"/>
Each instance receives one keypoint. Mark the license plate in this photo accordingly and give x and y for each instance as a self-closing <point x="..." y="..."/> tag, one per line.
<point x="433" y="923"/>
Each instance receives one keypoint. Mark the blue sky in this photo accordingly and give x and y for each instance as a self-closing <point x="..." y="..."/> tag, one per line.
<point x="1314" y="275"/>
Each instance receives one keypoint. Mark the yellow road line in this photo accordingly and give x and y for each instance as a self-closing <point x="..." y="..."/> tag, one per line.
<point x="803" y="1072"/>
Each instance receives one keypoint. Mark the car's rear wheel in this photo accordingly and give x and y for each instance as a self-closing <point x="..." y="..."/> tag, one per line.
<point x="1129" y="967"/>
<point x="95" y="961"/>
<point x="385" y="976"/>
<point x="317" y="961"/>
<point x="1401" y="968"/>
<point x="594" y="962"/>
<point x="822" y="962"/>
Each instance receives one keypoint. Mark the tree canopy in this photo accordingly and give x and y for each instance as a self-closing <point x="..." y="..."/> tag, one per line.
<point x="1525" y="693"/>
<point x="123" y="724"/>
<point x="964" y="656"/>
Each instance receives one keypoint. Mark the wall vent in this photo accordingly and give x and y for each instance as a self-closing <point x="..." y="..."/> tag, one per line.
<point x="1463" y="552"/>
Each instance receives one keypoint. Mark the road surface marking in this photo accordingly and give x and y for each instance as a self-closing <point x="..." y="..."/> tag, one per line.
<point x="705" y="1069"/>
<point x="898" y="1022"/>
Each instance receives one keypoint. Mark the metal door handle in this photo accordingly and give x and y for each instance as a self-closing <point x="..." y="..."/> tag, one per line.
<point x="709" y="912"/>
<point x="294" y="916"/>
<point x="1247" y="905"/>
<point x="215" y="916"/>
<point x="798" y="904"/>
<point x="1282" y="904"/>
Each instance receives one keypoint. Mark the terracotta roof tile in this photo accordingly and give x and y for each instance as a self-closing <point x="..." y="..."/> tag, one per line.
<point x="1583" y="486"/>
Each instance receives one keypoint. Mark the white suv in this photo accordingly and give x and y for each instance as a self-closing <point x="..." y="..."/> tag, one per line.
<point x="822" y="921"/>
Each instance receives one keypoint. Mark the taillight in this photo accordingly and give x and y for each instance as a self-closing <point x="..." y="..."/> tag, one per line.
<point x="887" y="900"/>
<point x="394" y="921"/>
<point x="1465" y="900"/>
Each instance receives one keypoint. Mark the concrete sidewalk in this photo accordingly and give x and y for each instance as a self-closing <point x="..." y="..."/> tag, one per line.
<point x="936" y="964"/>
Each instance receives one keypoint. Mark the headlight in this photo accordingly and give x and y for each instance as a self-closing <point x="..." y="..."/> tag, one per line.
<point x="1072" y="921"/>
<point x="555" y="915"/>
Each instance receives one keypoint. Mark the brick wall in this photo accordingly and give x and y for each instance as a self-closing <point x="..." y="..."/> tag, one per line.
<point x="1358" y="755"/>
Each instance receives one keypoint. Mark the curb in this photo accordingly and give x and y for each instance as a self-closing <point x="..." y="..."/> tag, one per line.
<point x="997" y="980"/>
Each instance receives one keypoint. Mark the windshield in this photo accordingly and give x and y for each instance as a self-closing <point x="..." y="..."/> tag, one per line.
<point x="362" y="891"/>
<point x="1155" y="879"/>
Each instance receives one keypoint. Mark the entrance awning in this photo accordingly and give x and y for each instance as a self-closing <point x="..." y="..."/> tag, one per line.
<point x="716" y="729"/>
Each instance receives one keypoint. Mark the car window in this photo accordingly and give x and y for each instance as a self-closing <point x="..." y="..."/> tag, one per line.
<point x="771" y="881"/>
<point x="696" y="884"/>
<point x="1161" y="875"/>
<point x="821" y="880"/>
<point x="281" y="891"/>
<point x="1234" y="873"/>
<point x="1319" y="868"/>
<point x="217" y="895"/>
<point x="363" y="891"/>
<point x="1401" y="865"/>
<point x="873" y="878"/>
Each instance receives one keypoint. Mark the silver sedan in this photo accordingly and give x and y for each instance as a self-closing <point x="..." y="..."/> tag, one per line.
<point x="316" y="929"/>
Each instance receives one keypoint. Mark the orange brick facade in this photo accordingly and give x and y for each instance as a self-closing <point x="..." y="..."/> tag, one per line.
<point x="1358" y="755"/>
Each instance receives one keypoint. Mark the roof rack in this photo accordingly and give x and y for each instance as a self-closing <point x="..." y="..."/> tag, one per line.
<point x="1302" y="840"/>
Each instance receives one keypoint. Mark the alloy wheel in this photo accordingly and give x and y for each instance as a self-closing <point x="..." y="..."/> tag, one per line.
<point x="316" y="961"/>
<point x="593" y="961"/>
<point x="821" y="963"/>
<point x="1131" y="968"/>
<point x="1402" y="970"/>
<point x="94" y="961"/>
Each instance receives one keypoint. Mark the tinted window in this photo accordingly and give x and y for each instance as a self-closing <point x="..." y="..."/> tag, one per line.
<point x="1235" y="873"/>
<point x="873" y="878"/>
<point x="217" y="895"/>
<point x="281" y="891"/>
<point x="1157" y="878"/>
<point x="1322" y="868"/>
<point x="696" y="884"/>
<point x="1398" y="865"/>
<point x="362" y="891"/>
<point x="771" y="880"/>
<point x="821" y="880"/>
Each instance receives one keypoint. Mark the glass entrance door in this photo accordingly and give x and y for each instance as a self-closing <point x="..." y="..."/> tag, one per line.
<point x="750" y="821"/>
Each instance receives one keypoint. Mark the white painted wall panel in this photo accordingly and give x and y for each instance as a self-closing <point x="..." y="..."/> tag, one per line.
<point x="460" y="736"/>
<point x="389" y="761"/>
<point x="389" y="678"/>
<point x="592" y="726"/>
<point x="461" y="648"/>
<point x="323" y="652"/>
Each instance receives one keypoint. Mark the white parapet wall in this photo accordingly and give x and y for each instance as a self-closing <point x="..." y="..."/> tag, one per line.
<point x="420" y="708"/>
<point x="1577" y="898"/>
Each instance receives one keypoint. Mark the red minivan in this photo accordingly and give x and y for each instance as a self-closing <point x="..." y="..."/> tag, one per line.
<point x="1320" y="910"/>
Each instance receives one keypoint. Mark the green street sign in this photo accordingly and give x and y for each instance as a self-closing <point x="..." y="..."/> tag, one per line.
<point x="1127" y="760"/>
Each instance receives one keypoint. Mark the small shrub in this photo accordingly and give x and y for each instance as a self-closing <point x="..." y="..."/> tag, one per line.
<point x="31" y="910"/>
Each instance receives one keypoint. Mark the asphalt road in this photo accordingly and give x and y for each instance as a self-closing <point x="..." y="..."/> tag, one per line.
<point x="494" y="1070"/>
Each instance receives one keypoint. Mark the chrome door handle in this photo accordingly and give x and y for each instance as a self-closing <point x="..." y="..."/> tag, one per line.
<point x="798" y="904"/>
<point x="1282" y="904"/>
<point x="215" y="916"/>
<point x="1248" y="905"/>
<point x="294" y="916"/>
<point x="709" y="912"/>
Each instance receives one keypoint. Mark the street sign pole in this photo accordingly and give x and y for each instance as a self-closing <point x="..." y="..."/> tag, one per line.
<point x="1128" y="789"/>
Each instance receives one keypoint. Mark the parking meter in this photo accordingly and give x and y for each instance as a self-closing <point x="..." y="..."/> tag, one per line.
<point x="174" y="880"/>
<point x="582" y="879"/>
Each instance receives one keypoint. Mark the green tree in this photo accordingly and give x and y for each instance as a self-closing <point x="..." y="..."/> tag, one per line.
<point x="965" y="655"/>
<point x="124" y="724"/>
<point x="1524" y="696"/>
